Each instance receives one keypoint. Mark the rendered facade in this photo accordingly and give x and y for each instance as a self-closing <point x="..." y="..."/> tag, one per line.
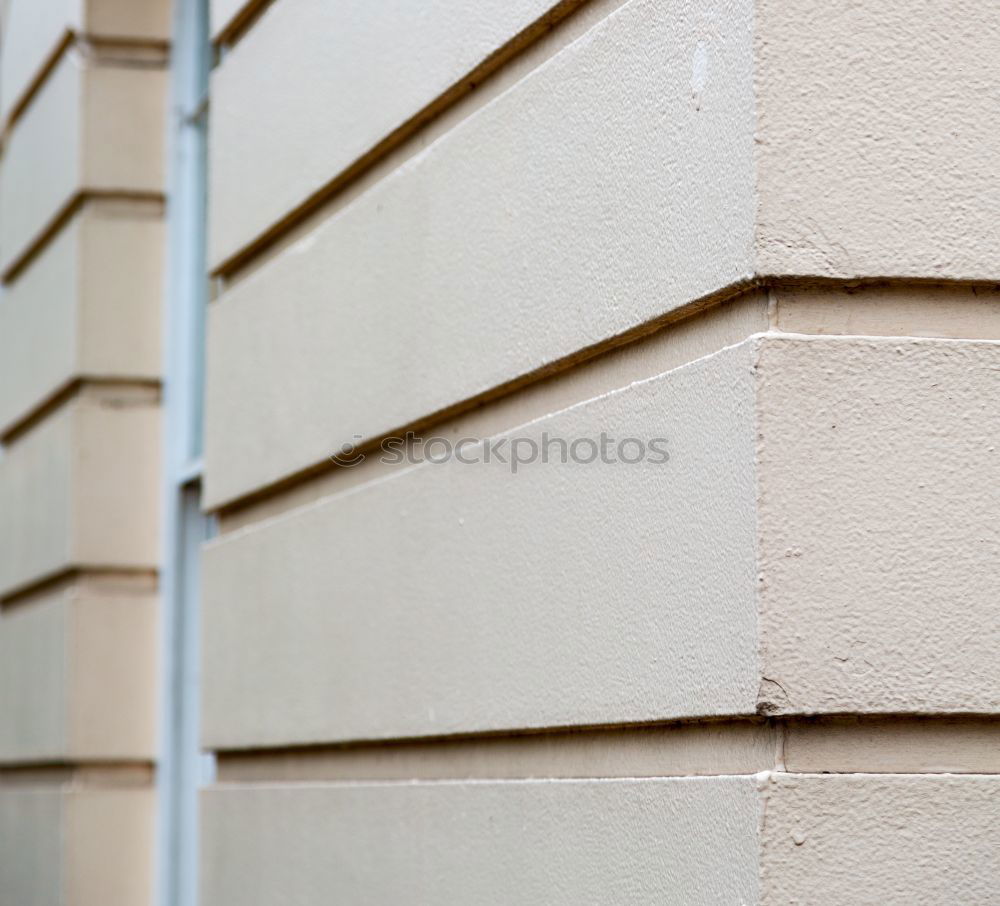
<point x="500" y="452"/>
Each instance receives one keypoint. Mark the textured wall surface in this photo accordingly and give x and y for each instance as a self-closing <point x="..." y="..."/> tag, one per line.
<point x="325" y="110"/>
<point x="821" y="548"/>
<point x="855" y="840"/>
<point x="470" y="597"/>
<point x="880" y="524"/>
<point x="445" y="584"/>
<point x="492" y="268"/>
<point x="644" y="130"/>
<point x="875" y="154"/>
<point x="690" y="841"/>
<point x="760" y="673"/>
<point x="909" y="840"/>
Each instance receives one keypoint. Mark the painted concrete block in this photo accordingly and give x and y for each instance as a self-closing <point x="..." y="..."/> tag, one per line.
<point x="97" y="128"/>
<point x="78" y="677"/>
<point x="455" y="598"/>
<point x="594" y="195"/>
<point x="820" y="541"/>
<point x="686" y="841"/>
<point x="854" y="840"/>
<point x="87" y="307"/>
<point x="326" y="110"/>
<point x="62" y="846"/>
<point x="31" y="32"/>
<point x="81" y="489"/>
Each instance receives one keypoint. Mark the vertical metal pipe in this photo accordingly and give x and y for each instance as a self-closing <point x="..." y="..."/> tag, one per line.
<point x="181" y="768"/>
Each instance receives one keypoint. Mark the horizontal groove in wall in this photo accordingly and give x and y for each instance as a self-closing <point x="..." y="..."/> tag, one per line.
<point x="35" y="85"/>
<point x="114" y="49"/>
<point x="240" y="23"/>
<point x="695" y="748"/>
<point x="110" y="391"/>
<point x="470" y="599"/>
<point x="101" y="50"/>
<point x="143" y="200"/>
<point x="876" y="745"/>
<point x="96" y="579"/>
<point x="795" y="305"/>
<point x="929" y="309"/>
<point x="526" y="51"/>
<point x="91" y="775"/>
<point x="550" y="374"/>
<point x="901" y="744"/>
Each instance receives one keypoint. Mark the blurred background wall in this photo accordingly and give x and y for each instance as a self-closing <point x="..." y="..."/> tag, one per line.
<point x="83" y="94"/>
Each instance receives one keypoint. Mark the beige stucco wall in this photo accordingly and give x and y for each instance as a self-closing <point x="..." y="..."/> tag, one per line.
<point x="866" y="838"/>
<point x="879" y="525"/>
<point x="769" y="839"/>
<point x="470" y="598"/>
<point x="875" y="157"/>
<point x="490" y="263"/>
<point x="399" y="59"/>
<point x="761" y="672"/>
<point x="726" y="126"/>
<point x="786" y="211"/>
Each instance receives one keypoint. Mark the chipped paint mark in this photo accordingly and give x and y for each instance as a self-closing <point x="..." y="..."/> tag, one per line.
<point x="772" y="698"/>
<point x="699" y="73"/>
